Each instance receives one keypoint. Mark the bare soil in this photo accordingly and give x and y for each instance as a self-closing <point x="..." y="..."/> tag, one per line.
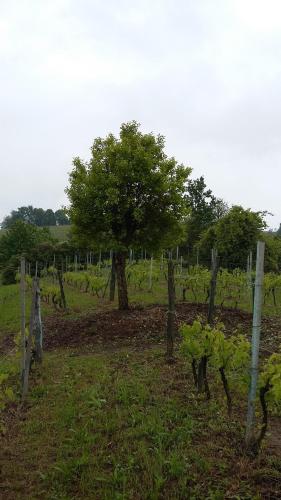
<point x="143" y="326"/>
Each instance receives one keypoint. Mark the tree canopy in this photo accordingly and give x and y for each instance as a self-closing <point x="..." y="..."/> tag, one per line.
<point x="205" y="210"/>
<point x="20" y="239"/>
<point x="130" y="194"/>
<point x="37" y="217"/>
<point x="234" y="235"/>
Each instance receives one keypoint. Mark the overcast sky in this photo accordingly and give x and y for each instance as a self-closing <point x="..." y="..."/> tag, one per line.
<point x="206" y="74"/>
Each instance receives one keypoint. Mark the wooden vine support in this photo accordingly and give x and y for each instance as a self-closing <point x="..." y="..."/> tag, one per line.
<point x="33" y="344"/>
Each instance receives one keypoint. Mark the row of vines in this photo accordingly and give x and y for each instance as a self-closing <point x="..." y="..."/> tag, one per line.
<point x="233" y="288"/>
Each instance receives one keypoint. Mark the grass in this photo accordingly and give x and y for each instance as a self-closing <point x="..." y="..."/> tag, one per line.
<point x="61" y="233"/>
<point x="121" y="426"/>
<point x="10" y="308"/>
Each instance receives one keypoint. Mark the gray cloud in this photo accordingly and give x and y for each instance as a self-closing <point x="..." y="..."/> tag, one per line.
<point x="205" y="74"/>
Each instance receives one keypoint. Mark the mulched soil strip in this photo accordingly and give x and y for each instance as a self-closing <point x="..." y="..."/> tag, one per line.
<point x="141" y="326"/>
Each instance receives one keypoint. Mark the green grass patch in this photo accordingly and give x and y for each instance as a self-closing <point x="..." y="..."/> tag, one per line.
<point x="61" y="233"/>
<point x="122" y="426"/>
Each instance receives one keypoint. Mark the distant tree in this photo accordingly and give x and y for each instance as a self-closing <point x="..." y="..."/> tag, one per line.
<point x="272" y="261"/>
<point x="234" y="235"/>
<point x="21" y="239"/>
<point x="205" y="210"/>
<point x="22" y="213"/>
<point x="49" y="218"/>
<point x="61" y="218"/>
<point x="36" y="216"/>
<point x="130" y="194"/>
<point x="278" y="232"/>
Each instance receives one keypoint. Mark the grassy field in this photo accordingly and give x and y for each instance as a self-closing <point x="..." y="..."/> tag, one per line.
<point x="107" y="418"/>
<point x="61" y="233"/>
<point x="125" y="425"/>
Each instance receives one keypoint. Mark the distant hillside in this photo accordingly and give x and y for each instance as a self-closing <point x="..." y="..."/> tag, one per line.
<point x="61" y="233"/>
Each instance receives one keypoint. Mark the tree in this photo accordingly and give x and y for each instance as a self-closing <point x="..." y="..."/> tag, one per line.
<point x="49" y="218"/>
<point x="39" y="214"/>
<point x="272" y="258"/>
<point x="205" y="210"/>
<point x="129" y="195"/>
<point x="234" y="235"/>
<point x="22" y="213"/>
<point x="20" y="239"/>
<point x="36" y="216"/>
<point x="61" y="218"/>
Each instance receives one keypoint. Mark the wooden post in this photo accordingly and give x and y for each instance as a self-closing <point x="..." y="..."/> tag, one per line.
<point x="171" y="312"/>
<point x="29" y="341"/>
<point x="213" y="285"/>
<point x="37" y="325"/>
<point x="150" y="273"/>
<point x="256" y="331"/>
<point x="35" y="332"/>
<point x="60" y="279"/>
<point x="22" y="307"/>
<point x="162" y="261"/>
<point x="112" y="278"/>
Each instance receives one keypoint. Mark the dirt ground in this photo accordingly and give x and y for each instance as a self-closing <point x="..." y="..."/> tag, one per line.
<point x="143" y="326"/>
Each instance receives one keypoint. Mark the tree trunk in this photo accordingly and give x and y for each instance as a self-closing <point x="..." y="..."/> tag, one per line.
<point x="112" y="279"/>
<point x="203" y="384"/>
<point x="213" y="285"/>
<point x="171" y="312"/>
<point x="63" y="299"/>
<point x="226" y="390"/>
<point x="263" y="392"/>
<point x="37" y="327"/>
<point x="194" y="371"/>
<point x="120" y="265"/>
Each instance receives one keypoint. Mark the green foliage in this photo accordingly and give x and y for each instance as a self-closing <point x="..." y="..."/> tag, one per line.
<point x="196" y="281"/>
<point x="229" y="355"/>
<point x="205" y="210"/>
<point x="139" y="274"/>
<point x="201" y="339"/>
<point x="234" y="235"/>
<point x="130" y="194"/>
<point x="36" y="216"/>
<point x="271" y="374"/>
<point x="191" y="346"/>
<point x="20" y="239"/>
<point x="272" y="260"/>
<point x="9" y="367"/>
<point x="87" y="281"/>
